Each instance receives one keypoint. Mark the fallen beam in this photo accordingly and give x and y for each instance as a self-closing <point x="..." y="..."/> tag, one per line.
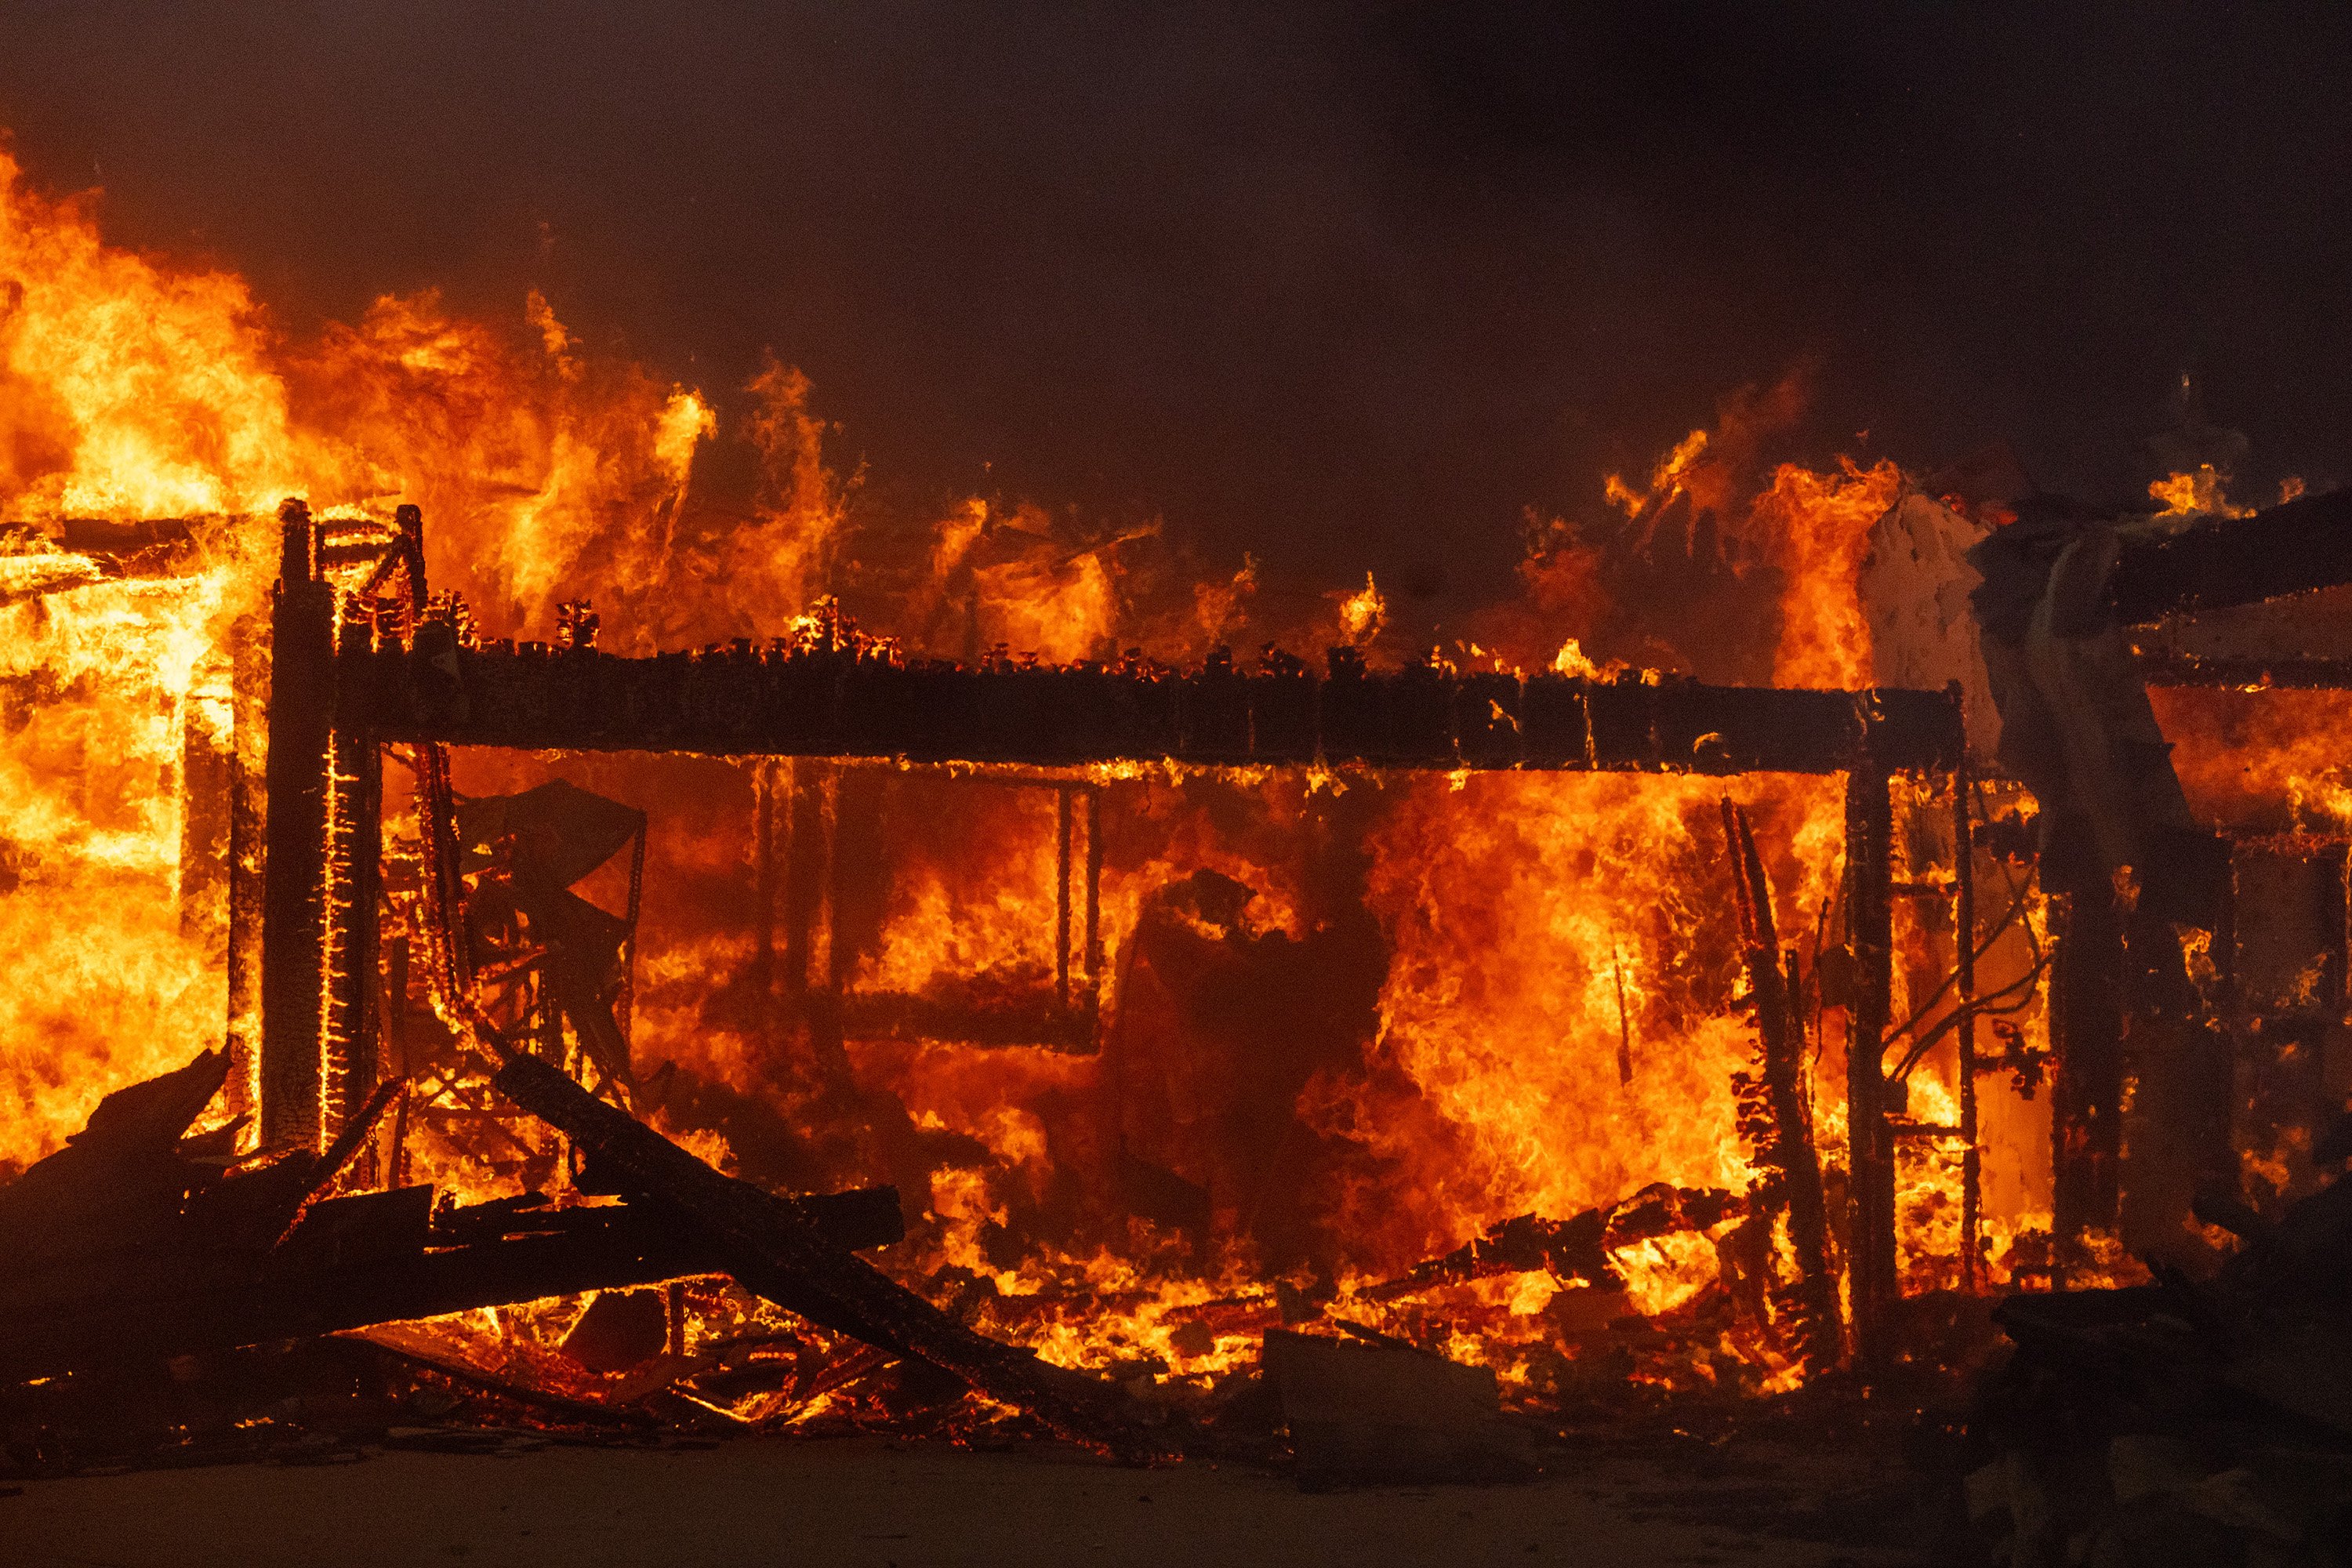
<point x="129" y="1244"/>
<point x="770" y="1247"/>
<point x="1573" y="1249"/>
<point x="143" y="1307"/>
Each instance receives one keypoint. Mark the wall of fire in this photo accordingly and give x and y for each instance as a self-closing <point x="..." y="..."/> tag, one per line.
<point x="2250" y="1069"/>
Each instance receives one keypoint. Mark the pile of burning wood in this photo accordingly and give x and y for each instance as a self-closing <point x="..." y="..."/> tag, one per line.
<point x="163" y="1301"/>
<point x="138" y="1243"/>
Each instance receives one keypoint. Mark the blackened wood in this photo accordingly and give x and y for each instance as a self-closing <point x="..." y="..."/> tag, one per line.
<point x="1777" y="1108"/>
<point x="2086" y="1019"/>
<point x="218" y="1301"/>
<point x="1964" y="935"/>
<point x="119" y="1183"/>
<point x="247" y="826"/>
<point x="1873" y="1283"/>
<point x="747" y="700"/>
<point x="1062" y="830"/>
<point x="354" y="888"/>
<point x="2289" y="549"/>
<point x="1577" y="1248"/>
<point x="771" y="1248"/>
<point x="303" y="662"/>
<point x="364" y="1260"/>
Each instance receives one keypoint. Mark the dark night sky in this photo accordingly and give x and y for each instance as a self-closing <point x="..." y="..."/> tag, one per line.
<point x="1349" y="285"/>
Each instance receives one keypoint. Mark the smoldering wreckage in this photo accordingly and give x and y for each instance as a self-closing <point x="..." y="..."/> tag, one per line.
<point x="238" y="1257"/>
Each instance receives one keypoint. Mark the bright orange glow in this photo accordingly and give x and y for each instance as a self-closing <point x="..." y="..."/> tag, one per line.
<point x="2203" y="493"/>
<point x="1307" y="1030"/>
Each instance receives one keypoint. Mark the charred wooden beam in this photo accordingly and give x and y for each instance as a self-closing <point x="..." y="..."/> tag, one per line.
<point x="353" y="885"/>
<point x="1870" y="1143"/>
<point x="770" y="1247"/>
<point x="2289" y="549"/>
<point x="130" y="1242"/>
<point x="1964" y="978"/>
<point x="1775" y="1107"/>
<point x="303" y="721"/>
<point x="1573" y="1249"/>
<point x="747" y="700"/>
<point x="362" y="1264"/>
<point x="2087" y="1028"/>
<point x="247" y="828"/>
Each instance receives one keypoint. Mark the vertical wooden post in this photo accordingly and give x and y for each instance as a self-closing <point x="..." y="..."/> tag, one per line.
<point x="1964" y="926"/>
<point x="1870" y="1145"/>
<point x="294" y="915"/>
<point x="2086" y="1025"/>
<point x="763" y="878"/>
<point x="248" y="830"/>
<point x="1094" y="893"/>
<point x="350" y="897"/>
<point x="1062" y="805"/>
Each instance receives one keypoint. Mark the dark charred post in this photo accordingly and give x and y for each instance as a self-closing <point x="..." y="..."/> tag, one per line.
<point x="352" y="897"/>
<point x="1624" y="1019"/>
<point x="294" y="993"/>
<point x="1061" y="826"/>
<point x="844" y="702"/>
<point x="1780" y="1126"/>
<point x="1964" y="930"/>
<point x="1870" y="1144"/>
<point x="247" y="828"/>
<point x="1094" y="897"/>
<point x="2086" y="1023"/>
<point x="450" y="961"/>
<point x="771" y="1247"/>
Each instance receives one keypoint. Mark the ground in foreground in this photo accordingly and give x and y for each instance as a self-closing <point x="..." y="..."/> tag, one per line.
<point x="864" y="1503"/>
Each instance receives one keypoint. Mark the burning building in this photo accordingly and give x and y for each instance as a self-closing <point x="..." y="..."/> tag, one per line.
<point x="644" y="967"/>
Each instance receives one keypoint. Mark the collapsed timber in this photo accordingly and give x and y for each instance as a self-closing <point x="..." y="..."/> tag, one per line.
<point x="142" y="1245"/>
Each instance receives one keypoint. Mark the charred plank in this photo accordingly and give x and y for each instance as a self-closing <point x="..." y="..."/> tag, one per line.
<point x="746" y="700"/>
<point x="770" y="1247"/>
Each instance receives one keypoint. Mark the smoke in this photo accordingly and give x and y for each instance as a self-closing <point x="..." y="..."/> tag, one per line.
<point x="1340" y="288"/>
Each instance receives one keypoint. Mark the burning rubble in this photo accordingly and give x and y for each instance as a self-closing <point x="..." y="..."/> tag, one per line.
<point x="614" y="967"/>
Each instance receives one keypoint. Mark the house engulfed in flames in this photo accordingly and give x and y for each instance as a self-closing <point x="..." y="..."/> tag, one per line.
<point x="1620" y="1032"/>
